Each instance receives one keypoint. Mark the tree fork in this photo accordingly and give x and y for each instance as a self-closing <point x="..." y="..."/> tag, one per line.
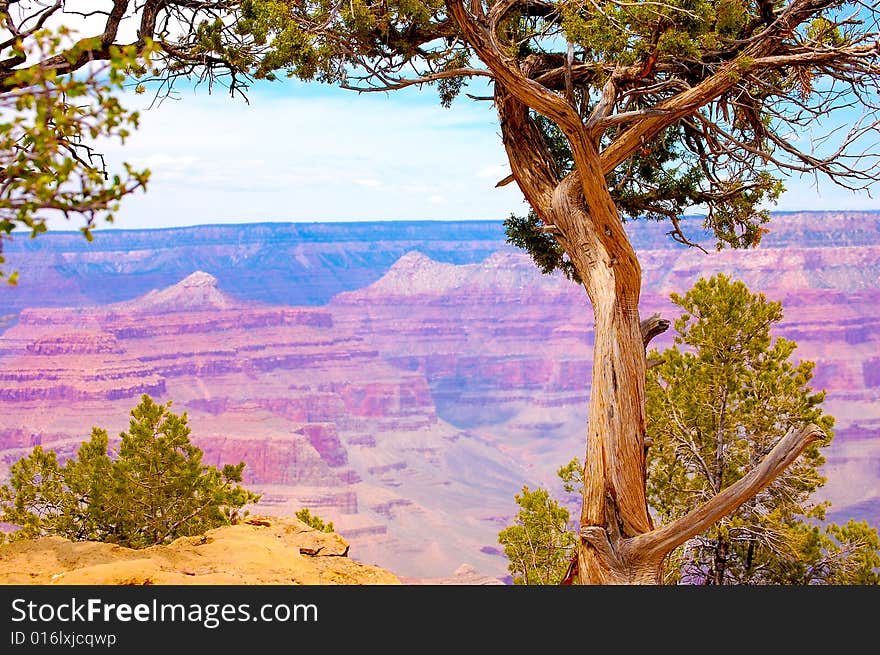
<point x="639" y="560"/>
<point x="619" y="544"/>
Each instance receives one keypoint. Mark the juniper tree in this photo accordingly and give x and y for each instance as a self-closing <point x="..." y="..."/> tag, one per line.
<point x="314" y="521"/>
<point x="154" y="490"/>
<point x="719" y="399"/>
<point x="663" y="106"/>
<point x="540" y="542"/>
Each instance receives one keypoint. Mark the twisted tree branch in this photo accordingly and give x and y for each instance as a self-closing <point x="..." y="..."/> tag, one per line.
<point x="661" y="541"/>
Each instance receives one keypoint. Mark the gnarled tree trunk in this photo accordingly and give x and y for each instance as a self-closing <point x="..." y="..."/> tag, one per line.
<point x="619" y="544"/>
<point x="614" y="464"/>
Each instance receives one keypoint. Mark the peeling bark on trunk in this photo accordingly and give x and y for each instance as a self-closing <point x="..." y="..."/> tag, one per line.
<point x="619" y="544"/>
<point x="614" y="464"/>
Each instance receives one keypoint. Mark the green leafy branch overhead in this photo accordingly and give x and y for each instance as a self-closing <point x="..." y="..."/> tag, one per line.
<point x="637" y="75"/>
<point x="60" y="90"/>
<point x="49" y="124"/>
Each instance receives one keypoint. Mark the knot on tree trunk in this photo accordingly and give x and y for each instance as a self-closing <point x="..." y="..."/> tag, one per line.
<point x="617" y="560"/>
<point x="652" y="327"/>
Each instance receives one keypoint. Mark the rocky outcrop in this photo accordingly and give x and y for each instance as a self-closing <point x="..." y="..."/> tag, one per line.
<point x="258" y="551"/>
<point x="196" y="292"/>
<point x="463" y="575"/>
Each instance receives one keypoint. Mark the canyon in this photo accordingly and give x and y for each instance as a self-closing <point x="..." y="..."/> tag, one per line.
<point x="401" y="379"/>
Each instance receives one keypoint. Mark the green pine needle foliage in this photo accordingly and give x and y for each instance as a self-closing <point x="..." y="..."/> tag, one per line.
<point x="543" y="248"/>
<point x="540" y="543"/>
<point x="313" y="521"/>
<point x="721" y="398"/>
<point x="153" y="491"/>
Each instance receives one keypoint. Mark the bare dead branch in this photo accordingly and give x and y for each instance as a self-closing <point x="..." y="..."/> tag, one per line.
<point x="652" y="327"/>
<point x="396" y="84"/>
<point x="662" y="540"/>
<point x="507" y="180"/>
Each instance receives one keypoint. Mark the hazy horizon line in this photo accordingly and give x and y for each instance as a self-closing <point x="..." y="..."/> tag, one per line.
<point x="687" y="217"/>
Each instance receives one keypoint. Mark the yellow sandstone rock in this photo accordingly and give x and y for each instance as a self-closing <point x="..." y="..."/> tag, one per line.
<point x="257" y="551"/>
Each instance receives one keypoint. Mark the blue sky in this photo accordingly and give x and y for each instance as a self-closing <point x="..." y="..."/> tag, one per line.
<point x="309" y="152"/>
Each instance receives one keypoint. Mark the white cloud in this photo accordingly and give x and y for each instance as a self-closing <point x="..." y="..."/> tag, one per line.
<point x="306" y="153"/>
<point x="310" y="156"/>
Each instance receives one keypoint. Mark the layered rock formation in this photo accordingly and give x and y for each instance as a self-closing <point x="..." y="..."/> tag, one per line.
<point x="319" y="416"/>
<point x="279" y="263"/>
<point x="410" y="411"/>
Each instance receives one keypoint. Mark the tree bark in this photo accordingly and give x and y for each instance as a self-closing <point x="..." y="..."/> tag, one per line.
<point x="614" y="464"/>
<point x="619" y="544"/>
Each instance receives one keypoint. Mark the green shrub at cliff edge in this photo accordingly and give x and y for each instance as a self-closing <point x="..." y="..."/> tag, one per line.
<point x="313" y="521"/>
<point x="153" y="491"/>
